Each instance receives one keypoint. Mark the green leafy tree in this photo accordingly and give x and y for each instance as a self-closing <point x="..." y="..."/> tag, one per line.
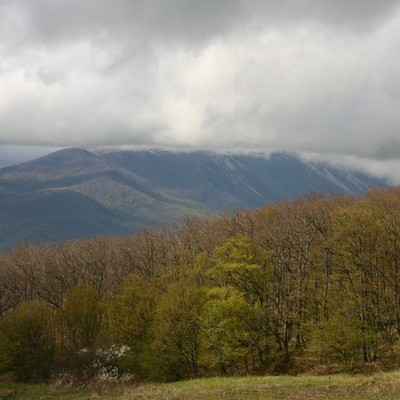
<point x="27" y="341"/>
<point x="232" y="336"/>
<point x="238" y="264"/>
<point x="339" y="343"/>
<point x="176" y="329"/>
<point x="246" y="274"/>
<point x="358" y="281"/>
<point x="81" y="317"/>
<point x="130" y="320"/>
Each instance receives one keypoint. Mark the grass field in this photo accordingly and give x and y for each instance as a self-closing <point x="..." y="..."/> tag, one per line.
<point x="339" y="387"/>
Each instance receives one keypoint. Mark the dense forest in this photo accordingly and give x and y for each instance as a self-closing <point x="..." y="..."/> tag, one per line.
<point x="310" y="285"/>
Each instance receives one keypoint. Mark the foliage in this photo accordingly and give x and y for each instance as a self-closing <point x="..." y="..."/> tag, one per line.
<point x="93" y="367"/>
<point x="310" y="284"/>
<point x="175" y="349"/>
<point x="27" y="342"/>
<point x="80" y="317"/>
<point x="231" y="337"/>
<point x="338" y="343"/>
<point x="130" y="318"/>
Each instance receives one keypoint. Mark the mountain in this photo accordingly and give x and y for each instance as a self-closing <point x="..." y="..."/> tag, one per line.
<point x="74" y="193"/>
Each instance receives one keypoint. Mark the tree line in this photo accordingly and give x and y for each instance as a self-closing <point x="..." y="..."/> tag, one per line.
<point x="303" y="285"/>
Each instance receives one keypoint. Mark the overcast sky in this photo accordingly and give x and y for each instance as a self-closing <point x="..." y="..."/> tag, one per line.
<point x="314" y="76"/>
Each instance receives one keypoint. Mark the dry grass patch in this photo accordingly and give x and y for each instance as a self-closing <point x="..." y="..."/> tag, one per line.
<point x="338" y="387"/>
<point x="381" y="386"/>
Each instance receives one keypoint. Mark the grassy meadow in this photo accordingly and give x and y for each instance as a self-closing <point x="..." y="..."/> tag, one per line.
<point x="339" y="387"/>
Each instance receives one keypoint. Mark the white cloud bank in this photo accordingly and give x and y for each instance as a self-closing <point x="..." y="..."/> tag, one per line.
<point x="315" y="76"/>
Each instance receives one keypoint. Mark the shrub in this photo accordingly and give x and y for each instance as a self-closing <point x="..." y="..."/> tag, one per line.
<point x="27" y="344"/>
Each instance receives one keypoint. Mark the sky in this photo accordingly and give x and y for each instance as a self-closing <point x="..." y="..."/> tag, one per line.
<point x="318" y="77"/>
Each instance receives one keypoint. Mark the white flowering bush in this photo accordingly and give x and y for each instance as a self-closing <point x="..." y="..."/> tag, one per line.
<point x="104" y="364"/>
<point x="93" y="367"/>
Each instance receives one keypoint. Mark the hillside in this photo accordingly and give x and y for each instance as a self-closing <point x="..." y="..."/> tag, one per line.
<point x="74" y="193"/>
<point x="229" y="181"/>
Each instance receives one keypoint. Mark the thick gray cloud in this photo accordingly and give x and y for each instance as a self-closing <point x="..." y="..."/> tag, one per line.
<point x="49" y="20"/>
<point x="316" y="76"/>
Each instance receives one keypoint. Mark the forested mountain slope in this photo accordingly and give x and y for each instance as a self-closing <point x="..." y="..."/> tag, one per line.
<point x="76" y="193"/>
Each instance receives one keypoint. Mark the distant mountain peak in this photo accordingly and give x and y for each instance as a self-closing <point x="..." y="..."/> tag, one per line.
<point x="67" y="155"/>
<point x="127" y="190"/>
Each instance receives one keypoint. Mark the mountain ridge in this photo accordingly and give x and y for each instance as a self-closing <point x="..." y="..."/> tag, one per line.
<point x="105" y="192"/>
